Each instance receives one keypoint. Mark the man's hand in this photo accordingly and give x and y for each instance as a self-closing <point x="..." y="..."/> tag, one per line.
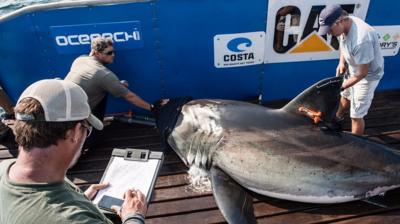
<point x="92" y="190"/>
<point x="134" y="203"/>
<point x="124" y="83"/>
<point x="157" y="105"/>
<point x="340" y="69"/>
<point x="164" y="101"/>
<point x="362" y="72"/>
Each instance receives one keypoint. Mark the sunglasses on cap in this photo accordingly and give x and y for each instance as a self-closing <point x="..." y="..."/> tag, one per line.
<point x="109" y="52"/>
<point x="88" y="128"/>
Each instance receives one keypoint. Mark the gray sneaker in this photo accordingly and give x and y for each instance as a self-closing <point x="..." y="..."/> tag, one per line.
<point x="338" y="119"/>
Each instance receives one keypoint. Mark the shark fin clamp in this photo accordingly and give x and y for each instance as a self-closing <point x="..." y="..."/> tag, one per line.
<point x="312" y="114"/>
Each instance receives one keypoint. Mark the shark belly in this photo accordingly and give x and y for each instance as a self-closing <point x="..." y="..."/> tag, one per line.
<point x="297" y="171"/>
<point x="278" y="152"/>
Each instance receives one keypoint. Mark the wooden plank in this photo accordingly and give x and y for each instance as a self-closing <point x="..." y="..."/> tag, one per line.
<point x="130" y="141"/>
<point x="176" y="193"/>
<point x="8" y="154"/>
<point x="94" y="175"/>
<point x="100" y="163"/>
<point x="385" y="216"/>
<point x="168" y="208"/>
<point x="270" y="209"/>
<point x="319" y="214"/>
<point x="101" y="159"/>
<point x="194" y="217"/>
<point x="5" y="101"/>
<point x="390" y="138"/>
<point x="264" y="212"/>
<point x="161" y="182"/>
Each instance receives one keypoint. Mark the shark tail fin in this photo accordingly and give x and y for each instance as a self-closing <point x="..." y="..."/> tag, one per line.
<point x="319" y="102"/>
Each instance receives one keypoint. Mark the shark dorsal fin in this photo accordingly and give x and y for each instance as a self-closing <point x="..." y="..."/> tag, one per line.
<point x="322" y="97"/>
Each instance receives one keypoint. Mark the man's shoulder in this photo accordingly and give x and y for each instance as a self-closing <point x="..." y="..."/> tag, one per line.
<point x="65" y="216"/>
<point x="89" y="64"/>
<point x="363" y="31"/>
<point x="4" y="165"/>
<point x="85" y="59"/>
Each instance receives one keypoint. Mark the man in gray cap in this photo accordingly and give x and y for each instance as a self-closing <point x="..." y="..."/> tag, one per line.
<point x="360" y="50"/>
<point x="53" y="119"/>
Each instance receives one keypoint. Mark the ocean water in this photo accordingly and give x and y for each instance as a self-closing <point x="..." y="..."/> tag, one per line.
<point x="7" y="6"/>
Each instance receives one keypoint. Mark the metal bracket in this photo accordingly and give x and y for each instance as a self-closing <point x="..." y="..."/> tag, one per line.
<point x="137" y="154"/>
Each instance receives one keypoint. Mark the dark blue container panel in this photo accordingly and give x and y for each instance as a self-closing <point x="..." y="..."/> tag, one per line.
<point x="187" y="29"/>
<point x="20" y="55"/>
<point x="39" y="59"/>
<point x="384" y="14"/>
<point x="177" y="57"/>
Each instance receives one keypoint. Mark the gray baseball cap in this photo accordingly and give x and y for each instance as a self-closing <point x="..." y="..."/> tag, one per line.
<point x="328" y="17"/>
<point x="61" y="101"/>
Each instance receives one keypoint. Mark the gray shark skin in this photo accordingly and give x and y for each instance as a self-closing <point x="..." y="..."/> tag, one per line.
<point x="278" y="152"/>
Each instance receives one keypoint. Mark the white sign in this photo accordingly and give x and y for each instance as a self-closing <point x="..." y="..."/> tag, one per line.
<point x="87" y="38"/>
<point x="389" y="38"/>
<point x="292" y="30"/>
<point x="239" y="49"/>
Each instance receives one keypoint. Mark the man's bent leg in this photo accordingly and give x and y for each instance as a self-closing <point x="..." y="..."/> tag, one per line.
<point x="343" y="106"/>
<point x="360" y="103"/>
<point x="344" y="103"/>
<point x="357" y="126"/>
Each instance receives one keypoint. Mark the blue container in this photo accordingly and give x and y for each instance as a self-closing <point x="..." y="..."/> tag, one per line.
<point x="173" y="51"/>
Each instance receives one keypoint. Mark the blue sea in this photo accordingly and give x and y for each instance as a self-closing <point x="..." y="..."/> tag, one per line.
<point x="7" y="6"/>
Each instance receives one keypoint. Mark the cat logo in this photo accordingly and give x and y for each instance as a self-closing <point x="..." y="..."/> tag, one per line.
<point x="292" y="30"/>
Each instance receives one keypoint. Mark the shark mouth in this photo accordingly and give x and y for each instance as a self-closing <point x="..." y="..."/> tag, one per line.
<point x="199" y="180"/>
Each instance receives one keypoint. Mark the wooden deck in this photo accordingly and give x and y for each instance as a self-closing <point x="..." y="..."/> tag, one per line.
<point x="172" y="202"/>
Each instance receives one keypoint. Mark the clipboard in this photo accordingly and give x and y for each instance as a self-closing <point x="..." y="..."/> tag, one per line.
<point x="127" y="169"/>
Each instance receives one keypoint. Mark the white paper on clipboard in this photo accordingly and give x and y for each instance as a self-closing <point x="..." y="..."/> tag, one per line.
<point x="124" y="174"/>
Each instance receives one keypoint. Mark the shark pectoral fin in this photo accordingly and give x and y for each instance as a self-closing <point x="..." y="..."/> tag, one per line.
<point x="235" y="203"/>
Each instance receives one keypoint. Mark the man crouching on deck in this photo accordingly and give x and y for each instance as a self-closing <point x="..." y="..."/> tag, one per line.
<point x="53" y="119"/>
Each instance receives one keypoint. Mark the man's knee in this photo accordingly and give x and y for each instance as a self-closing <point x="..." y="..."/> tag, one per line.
<point x="357" y="119"/>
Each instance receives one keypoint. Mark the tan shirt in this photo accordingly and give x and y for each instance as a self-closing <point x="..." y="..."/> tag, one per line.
<point x="95" y="79"/>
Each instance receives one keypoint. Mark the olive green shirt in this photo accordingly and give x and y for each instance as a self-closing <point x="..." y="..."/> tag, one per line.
<point x="44" y="203"/>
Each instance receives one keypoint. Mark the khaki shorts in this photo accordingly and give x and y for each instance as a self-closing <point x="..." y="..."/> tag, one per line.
<point x="360" y="96"/>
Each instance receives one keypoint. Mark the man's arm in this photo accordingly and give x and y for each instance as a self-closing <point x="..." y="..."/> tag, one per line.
<point x="363" y="54"/>
<point x="341" y="68"/>
<point x="136" y="100"/>
<point x="362" y="71"/>
<point x="134" y="219"/>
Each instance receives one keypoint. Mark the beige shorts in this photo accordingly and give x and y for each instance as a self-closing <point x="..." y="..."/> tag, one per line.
<point x="360" y="96"/>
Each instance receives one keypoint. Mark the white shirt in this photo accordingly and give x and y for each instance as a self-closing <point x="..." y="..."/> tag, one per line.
<point x="361" y="46"/>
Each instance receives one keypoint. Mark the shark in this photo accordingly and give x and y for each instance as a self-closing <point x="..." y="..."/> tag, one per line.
<point x="291" y="153"/>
